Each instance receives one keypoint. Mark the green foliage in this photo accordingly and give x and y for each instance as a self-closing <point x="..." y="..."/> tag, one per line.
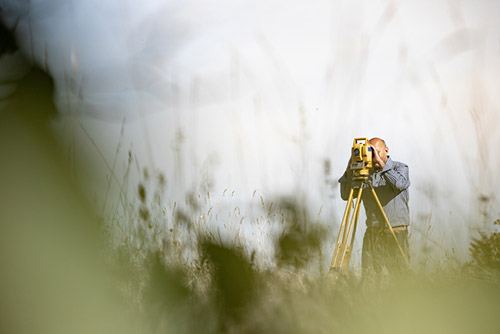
<point x="223" y="291"/>
<point x="485" y="252"/>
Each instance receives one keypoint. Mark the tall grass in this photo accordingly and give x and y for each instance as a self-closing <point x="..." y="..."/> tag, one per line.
<point x="184" y="274"/>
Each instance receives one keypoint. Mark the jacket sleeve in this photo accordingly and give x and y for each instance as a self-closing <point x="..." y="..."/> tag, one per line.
<point x="398" y="176"/>
<point x="345" y="187"/>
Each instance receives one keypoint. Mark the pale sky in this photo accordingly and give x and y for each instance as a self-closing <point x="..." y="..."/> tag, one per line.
<point x="262" y="92"/>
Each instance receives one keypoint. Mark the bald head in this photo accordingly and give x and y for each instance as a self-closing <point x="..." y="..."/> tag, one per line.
<point x="382" y="150"/>
<point x="376" y="140"/>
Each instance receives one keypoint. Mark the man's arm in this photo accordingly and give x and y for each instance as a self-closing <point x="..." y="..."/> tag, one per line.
<point x="345" y="182"/>
<point x="345" y="186"/>
<point x="397" y="175"/>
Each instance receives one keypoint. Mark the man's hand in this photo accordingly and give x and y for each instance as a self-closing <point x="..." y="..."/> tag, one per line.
<point x="379" y="163"/>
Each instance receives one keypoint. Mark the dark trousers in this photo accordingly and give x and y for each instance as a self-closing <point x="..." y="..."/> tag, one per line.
<point x="380" y="250"/>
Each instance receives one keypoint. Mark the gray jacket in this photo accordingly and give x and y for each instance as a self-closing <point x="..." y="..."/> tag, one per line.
<point x="391" y="185"/>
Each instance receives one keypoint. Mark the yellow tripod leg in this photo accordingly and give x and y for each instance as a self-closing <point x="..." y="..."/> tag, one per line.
<point x="342" y="231"/>
<point x="347" y="246"/>
<point x="388" y="224"/>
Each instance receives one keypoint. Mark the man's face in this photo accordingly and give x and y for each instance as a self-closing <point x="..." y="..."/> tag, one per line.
<point x="381" y="149"/>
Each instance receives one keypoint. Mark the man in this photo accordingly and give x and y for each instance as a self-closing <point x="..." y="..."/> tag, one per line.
<point x="390" y="179"/>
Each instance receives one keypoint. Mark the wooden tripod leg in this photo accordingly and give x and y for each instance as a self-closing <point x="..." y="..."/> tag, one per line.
<point x="347" y="246"/>
<point x="388" y="224"/>
<point x="342" y="231"/>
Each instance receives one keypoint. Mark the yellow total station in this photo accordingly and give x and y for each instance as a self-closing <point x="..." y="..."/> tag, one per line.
<point x="361" y="158"/>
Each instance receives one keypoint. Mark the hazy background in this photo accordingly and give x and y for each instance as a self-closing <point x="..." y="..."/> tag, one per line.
<point x="263" y="98"/>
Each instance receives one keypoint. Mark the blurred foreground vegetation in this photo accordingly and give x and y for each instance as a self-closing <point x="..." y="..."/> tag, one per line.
<point x="65" y="270"/>
<point x="225" y="293"/>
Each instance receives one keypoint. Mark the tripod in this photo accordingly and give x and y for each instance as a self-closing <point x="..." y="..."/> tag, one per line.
<point x="345" y="239"/>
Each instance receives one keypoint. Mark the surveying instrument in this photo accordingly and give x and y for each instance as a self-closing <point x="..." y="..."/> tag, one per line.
<point x="361" y="166"/>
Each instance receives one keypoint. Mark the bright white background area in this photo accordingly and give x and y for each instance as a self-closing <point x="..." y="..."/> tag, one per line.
<point x="257" y="95"/>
